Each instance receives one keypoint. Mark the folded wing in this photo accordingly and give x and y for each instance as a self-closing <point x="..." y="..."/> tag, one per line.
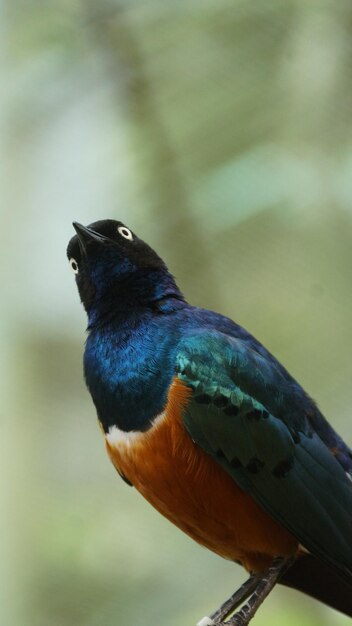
<point x="255" y="423"/>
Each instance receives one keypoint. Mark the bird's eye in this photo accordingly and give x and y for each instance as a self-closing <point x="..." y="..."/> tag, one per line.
<point x="74" y="265"/>
<point x="125" y="232"/>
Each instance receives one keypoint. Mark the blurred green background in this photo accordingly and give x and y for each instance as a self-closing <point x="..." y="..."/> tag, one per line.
<point x="220" y="131"/>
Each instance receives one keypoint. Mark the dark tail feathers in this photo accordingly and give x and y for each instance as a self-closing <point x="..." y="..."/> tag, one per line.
<point x="318" y="580"/>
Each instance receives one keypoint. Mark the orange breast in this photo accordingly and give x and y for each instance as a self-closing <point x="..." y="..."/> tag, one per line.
<point x="189" y="488"/>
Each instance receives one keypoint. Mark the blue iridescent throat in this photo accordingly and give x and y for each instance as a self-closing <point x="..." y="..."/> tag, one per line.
<point x="129" y="366"/>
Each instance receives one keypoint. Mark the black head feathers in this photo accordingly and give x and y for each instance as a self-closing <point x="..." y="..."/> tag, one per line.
<point x="115" y="270"/>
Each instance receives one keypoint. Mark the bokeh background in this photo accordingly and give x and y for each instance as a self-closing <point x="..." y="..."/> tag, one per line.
<point x="220" y="131"/>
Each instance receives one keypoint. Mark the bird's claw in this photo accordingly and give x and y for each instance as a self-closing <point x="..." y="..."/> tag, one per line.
<point x="207" y="621"/>
<point x="235" y="620"/>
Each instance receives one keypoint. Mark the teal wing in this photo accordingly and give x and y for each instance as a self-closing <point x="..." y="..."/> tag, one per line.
<point x="255" y="423"/>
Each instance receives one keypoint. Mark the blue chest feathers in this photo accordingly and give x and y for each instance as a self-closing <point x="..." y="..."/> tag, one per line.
<point x="128" y="373"/>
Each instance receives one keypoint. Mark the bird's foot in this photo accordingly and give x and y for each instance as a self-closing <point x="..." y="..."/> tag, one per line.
<point x="256" y="588"/>
<point x="236" y="620"/>
<point x="239" y="619"/>
<point x="217" y="618"/>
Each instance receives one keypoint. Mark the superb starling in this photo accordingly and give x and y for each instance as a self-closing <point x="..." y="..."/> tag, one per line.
<point x="211" y="429"/>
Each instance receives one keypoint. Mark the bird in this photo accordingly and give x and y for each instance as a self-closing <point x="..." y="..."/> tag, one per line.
<point x="211" y="429"/>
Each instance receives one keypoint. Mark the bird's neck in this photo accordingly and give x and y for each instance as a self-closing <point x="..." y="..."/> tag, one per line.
<point x="130" y="299"/>
<point x="129" y="366"/>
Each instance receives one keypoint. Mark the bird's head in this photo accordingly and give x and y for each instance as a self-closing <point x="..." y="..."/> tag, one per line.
<point x="116" y="271"/>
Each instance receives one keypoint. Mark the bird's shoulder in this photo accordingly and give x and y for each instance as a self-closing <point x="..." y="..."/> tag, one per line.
<point x="216" y="353"/>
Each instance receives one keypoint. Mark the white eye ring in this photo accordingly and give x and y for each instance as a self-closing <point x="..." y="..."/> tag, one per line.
<point x="74" y="265"/>
<point x="125" y="232"/>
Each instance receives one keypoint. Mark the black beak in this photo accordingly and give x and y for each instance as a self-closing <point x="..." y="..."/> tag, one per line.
<point x="86" y="236"/>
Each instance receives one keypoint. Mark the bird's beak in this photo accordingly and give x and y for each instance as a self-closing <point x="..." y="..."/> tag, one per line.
<point x="86" y="236"/>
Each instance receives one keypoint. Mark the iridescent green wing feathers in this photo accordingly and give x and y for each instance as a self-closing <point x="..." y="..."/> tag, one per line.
<point x="254" y="422"/>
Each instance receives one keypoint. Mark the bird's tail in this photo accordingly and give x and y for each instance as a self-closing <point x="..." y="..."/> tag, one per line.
<point x="315" y="578"/>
